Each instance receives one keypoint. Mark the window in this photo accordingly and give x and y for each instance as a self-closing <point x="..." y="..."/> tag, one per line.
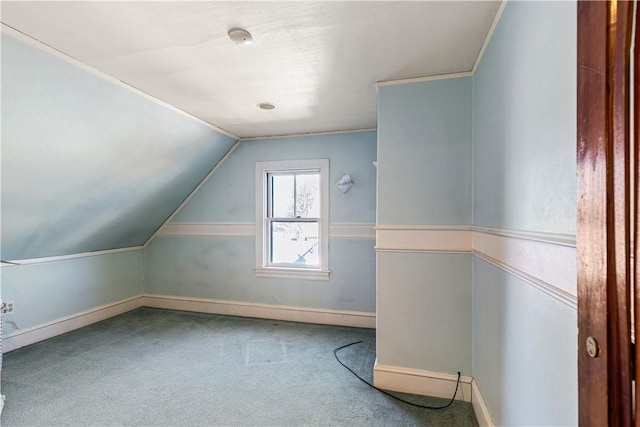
<point x="292" y="219"/>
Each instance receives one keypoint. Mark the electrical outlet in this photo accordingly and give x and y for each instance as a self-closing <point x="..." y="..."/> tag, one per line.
<point x="6" y="308"/>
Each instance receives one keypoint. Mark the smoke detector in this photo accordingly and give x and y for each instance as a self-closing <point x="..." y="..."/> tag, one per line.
<point x="240" y="36"/>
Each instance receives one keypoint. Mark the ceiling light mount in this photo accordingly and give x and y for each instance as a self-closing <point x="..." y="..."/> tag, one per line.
<point x="267" y="106"/>
<point x="240" y="36"/>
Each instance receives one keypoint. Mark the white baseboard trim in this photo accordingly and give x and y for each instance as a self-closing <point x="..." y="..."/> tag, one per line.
<point x="24" y="337"/>
<point x="425" y="383"/>
<point x="480" y="407"/>
<point x="65" y="324"/>
<point x="263" y="311"/>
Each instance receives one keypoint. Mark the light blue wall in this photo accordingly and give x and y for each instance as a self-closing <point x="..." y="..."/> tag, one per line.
<point x="230" y="195"/>
<point x="221" y="267"/>
<point x="51" y="290"/>
<point x="424" y="311"/>
<point x="524" y="178"/>
<point x="424" y="178"/>
<point x="424" y="151"/>
<point x="524" y="148"/>
<point x="524" y="351"/>
<point x="86" y="164"/>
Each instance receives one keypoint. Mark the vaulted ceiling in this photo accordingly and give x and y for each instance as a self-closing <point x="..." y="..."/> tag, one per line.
<point x="318" y="61"/>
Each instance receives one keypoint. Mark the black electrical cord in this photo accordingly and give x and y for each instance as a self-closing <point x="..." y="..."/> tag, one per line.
<point x="335" y="354"/>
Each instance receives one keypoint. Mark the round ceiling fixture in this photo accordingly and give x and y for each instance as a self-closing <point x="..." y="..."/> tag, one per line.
<point x="240" y="36"/>
<point x="267" y="106"/>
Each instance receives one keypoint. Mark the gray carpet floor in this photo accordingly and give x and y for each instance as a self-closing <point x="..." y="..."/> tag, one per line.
<point x="154" y="367"/>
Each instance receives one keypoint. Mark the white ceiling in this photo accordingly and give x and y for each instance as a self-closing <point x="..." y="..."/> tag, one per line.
<point x="318" y="61"/>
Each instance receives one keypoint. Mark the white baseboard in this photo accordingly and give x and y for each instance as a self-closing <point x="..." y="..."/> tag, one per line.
<point x="480" y="407"/>
<point x="60" y="326"/>
<point x="264" y="311"/>
<point x="425" y="383"/>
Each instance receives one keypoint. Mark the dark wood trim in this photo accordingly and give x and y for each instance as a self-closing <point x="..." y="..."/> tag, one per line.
<point x="591" y="238"/>
<point x="603" y="236"/>
<point x="636" y="216"/>
<point x="618" y="214"/>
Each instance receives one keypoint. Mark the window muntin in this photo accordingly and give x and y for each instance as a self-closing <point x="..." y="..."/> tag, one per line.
<point x="292" y="219"/>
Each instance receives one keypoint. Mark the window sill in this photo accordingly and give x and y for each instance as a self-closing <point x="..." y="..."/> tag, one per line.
<point x="291" y="273"/>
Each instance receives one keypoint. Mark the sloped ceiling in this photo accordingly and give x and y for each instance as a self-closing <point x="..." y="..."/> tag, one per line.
<point x="317" y="60"/>
<point x="90" y="165"/>
<point x="86" y="164"/>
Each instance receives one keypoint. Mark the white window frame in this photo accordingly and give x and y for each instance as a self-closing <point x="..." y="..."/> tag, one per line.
<point x="262" y="267"/>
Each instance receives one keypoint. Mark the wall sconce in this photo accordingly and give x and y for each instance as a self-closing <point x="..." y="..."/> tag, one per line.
<point x="344" y="183"/>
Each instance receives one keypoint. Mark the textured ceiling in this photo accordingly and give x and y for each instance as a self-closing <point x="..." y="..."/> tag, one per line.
<point x="318" y="61"/>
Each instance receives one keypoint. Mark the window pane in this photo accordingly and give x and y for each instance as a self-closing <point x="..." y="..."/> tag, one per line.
<point x="282" y="196"/>
<point x="294" y="243"/>
<point x="308" y="195"/>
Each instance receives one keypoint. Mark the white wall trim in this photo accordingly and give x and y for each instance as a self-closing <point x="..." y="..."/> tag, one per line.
<point x="292" y="273"/>
<point x="425" y="383"/>
<point x="543" y="260"/>
<point x="546" y="260"/>
<point x="423" y="227"/>
<point x="423" y="238"/>
<point x="425" y="79"/>
<point x="339" y="230"/>
<point x="420" y="251"/>
<point x="549" y="289"/>
<point x="480" y="407"/>
<point x="299" y="135"/>
<point x="552" y="238"/>
<point x="263" y="311"/>
<point x="352" y="230"/>
<point x="487" y="39"/>
<point x="23" y="337"/>
<point x="61" y="55"/>
<point x="18" y="262"/>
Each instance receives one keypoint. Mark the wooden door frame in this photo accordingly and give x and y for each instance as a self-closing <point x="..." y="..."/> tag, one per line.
<point x="604" y="213"/>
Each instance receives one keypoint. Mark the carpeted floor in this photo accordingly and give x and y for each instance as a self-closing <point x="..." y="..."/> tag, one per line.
<point x="166" y="368"/>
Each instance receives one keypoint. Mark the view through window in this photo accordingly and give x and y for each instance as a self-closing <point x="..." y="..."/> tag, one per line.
<point x="292" y="224"/>
<point x="294" y="218"/>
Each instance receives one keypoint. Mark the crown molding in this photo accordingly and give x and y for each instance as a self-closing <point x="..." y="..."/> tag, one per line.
<point x="298" y="135"/>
